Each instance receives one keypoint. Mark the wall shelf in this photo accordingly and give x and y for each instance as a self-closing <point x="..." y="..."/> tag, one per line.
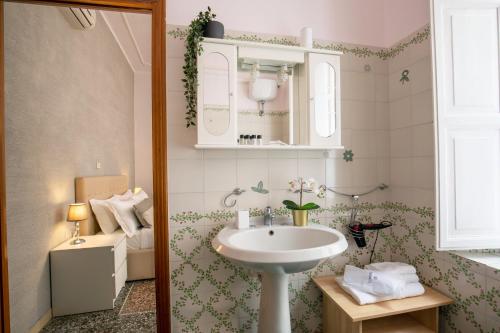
<point x="242" y="43"/>
<point x="269" y="147"/>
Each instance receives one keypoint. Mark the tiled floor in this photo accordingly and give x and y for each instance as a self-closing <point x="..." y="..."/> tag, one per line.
<point x="109" y="321"/>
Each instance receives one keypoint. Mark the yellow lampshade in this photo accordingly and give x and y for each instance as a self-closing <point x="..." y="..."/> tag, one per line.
<point x="77" y="212"/>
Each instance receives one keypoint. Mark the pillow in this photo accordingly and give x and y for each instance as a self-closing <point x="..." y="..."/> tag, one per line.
<point x="140" y="211"/>
<point x="124" y="214"/>
<point x="123" y="210"/>
<point x="139" y="196"/>
<point x="149" y="216"/>
<point x="125" y="196"/>
<point x="105" y="217"/>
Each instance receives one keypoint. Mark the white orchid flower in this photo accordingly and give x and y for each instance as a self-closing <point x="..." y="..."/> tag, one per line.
<point x="312" y="185"/>
<point x="294" y="185"/>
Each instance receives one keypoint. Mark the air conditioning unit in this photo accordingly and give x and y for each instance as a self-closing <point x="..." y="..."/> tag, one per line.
<point x="80" y="18"/>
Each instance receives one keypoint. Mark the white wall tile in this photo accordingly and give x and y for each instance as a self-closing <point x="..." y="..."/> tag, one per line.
<point x="384" y="171"/>
<point x="281" y="171"/>
<point x="383" y="140"/>
<point x="401" y="171"/>
<point x="283" y="154"/>
<point x="397" y="89"/>
<point x="181" y="141"/>
<point x="220" y="175"/>
<point x="185" y="176"/>
<point x="364" y="143"/>
<point x="185" y="202"/>
<point x="381" y="88"/>
<point x="400" y="113"/>
<point x="338" y="173"/>
<point x="358" y="114"/>
<point x="250" y="199"/>
<point x="423" y="172"/>
<point x="249" y="154"/>
<point x="401" y="142"/>
<point x="364" y="172"/>
<point x="213" y="154"/>
<point x="382" y="118"/>
<point x="421" y="75"/>
<point x="423" y="140"/>
<point x="358" y="86"/>
<point x="213" y="202"/>
<point x="312" y="168"/>
<point x="251" y="171"/>
<point x="422" y="108"/>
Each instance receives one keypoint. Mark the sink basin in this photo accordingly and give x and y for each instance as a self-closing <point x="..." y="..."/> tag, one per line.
<point x="276" y="251"/>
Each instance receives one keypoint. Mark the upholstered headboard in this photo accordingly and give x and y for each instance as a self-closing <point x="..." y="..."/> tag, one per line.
<point x="101" y="187"/>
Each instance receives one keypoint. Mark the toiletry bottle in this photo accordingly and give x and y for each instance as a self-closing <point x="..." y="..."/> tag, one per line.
<point x="252" y="139"/>
<point x="241" y="140"/>
<point x="246" y="139"/>
<point x="259" y="140"/>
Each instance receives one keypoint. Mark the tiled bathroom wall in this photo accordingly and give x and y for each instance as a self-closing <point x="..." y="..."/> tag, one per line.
<point x="474" y="287"/>
<point x="387" y="125"/>
<point x="208" y="292"/>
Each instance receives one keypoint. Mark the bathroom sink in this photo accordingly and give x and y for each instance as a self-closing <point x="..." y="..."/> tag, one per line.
<point x="275" y="251"/>
<point x="287" y="248"/>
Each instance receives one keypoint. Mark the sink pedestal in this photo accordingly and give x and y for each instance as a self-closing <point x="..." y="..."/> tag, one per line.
<point x="274" y="313"/>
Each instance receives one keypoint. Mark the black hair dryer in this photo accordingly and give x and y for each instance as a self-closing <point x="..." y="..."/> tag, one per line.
<point x="357" y="230"/>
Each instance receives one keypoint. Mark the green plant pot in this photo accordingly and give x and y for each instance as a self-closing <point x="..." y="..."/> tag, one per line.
<point x="300" y="217"/>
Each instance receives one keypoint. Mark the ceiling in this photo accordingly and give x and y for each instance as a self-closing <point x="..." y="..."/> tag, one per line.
<point x="133" y="34"/>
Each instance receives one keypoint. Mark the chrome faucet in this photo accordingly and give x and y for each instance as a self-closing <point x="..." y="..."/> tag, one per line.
<point x="268" y="216"/>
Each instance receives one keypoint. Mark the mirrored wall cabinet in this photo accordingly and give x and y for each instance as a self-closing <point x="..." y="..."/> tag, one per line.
<point x="266" y="96"/>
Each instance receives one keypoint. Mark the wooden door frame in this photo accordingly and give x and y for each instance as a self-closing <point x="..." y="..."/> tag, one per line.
<point x="157" y="9"/>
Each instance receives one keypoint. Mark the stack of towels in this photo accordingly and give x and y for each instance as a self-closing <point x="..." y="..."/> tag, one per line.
<point x="381" y="282"/>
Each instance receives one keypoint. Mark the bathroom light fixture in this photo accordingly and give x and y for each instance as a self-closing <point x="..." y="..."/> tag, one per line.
<point x="255" y="72"/>
<point x="282" y="74"/>
<point x="77" y="212"/>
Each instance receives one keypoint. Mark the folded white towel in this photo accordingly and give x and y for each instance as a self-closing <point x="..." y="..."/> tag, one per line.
<point x="411" y="289"/>
<point x="408" y="278"/>
<point x="377" y="283"/>
<point x="392" y="267"/>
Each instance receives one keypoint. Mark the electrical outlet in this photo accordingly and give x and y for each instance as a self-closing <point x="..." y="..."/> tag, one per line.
<point x="98" y="164"/>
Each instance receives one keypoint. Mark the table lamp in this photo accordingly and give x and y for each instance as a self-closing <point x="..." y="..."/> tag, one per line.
<point x="77" y="212"/>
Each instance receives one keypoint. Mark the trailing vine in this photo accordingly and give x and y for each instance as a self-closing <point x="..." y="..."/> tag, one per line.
<point x="193" y="50"/>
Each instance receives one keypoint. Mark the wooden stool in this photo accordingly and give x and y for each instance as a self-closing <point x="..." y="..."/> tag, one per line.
<point x="341" y="313"/>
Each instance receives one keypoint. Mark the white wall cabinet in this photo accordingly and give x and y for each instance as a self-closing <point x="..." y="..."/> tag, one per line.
<point x="88" y="277"/>
<point x="320" y="123"/>
<point x="216" y="100"/>
<point x="309" y="94"/>
<point x="467" y="121"/>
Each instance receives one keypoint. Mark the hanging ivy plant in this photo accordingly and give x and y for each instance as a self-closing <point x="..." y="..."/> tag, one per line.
<point x="193" y="50"/>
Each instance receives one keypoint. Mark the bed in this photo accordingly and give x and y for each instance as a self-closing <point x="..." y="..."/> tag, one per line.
<point x="140" y="248"/>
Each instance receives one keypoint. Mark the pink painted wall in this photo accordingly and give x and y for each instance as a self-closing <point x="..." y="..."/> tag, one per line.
<point x="402" y="17"/>
<point x="355" y="21"/>
<point x="368" y="22"/>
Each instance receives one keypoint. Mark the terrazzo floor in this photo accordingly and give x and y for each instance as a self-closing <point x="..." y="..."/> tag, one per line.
<point x="134" y="312"/>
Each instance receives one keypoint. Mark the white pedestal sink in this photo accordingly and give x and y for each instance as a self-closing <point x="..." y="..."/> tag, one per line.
<point x="275" y="252"/>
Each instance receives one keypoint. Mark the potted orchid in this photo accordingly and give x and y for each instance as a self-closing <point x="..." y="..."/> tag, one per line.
<point x="300" y="211"/>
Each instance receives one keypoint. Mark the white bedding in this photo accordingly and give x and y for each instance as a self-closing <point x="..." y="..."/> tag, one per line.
<point x="143" y="239"/>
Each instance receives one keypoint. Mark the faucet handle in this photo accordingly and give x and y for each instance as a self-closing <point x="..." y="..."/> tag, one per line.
<point x="269" y="211"/>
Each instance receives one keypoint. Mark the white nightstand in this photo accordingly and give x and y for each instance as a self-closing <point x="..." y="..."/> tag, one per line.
<point x="88" y="277"/>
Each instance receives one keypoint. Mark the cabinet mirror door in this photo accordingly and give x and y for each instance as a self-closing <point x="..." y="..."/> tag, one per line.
<point x="324" y="99"/>
<point x="216" y="93"/>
